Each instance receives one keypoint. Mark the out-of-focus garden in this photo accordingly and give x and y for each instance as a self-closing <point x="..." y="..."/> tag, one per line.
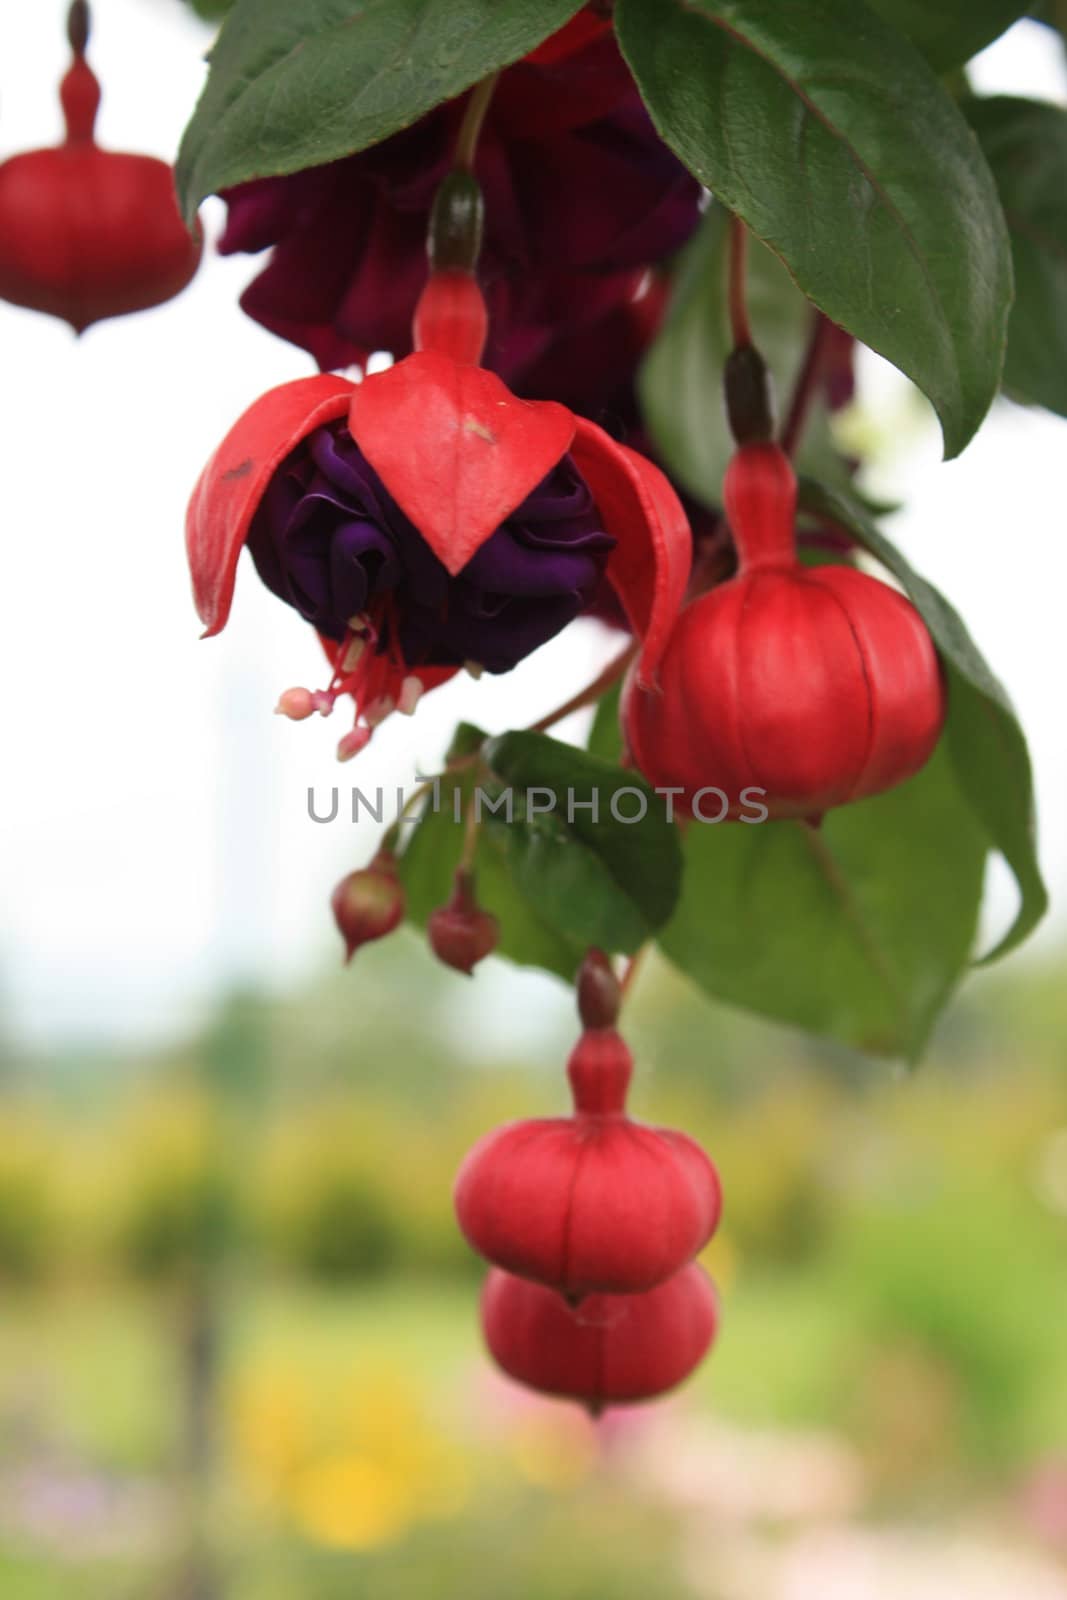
<point x="239" y="1355"/>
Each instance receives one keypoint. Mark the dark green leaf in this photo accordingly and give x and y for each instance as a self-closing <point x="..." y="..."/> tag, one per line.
<point x="211" y="10"/>
<point x="858" y="930"/>
<point x="294" y="85"/>
<point x="950" y="32"/>
<point x="1025" y="144"/>
<point x="983" y="738"/>
<point x="829" y="135"/>
<point x="681" y="381"/>
<point x="640" y="858"/>
<point x="569" y="887"/>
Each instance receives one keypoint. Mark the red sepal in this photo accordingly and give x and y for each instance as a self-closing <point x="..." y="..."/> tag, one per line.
<point x="455" y="448"/>
<point x="649" y="567"/>
<point x="235" y="479"/>
<point x="572" y="37"/>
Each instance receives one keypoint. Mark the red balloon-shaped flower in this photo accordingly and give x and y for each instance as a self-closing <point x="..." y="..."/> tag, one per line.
<point x="427" y="519"/>
<point x="609" y="1350"/>
<point x="87" y="233"/>
<point x="590" y="1203"/>
<point x="796" y="687"/>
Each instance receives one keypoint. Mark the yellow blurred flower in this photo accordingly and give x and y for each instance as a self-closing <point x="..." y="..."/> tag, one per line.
<point x="270" y="1426"/>
<point x="352" y="1502"/>
<point x="354" y="1461"/>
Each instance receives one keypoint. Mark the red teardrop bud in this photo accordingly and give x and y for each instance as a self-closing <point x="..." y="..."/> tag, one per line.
<point x="87" y="233"/>
<point x="798" y="688"/>
<point x="461" y="933"/>
<point x="368" y="904"/>
<point x="451" y="318"/>
<point x="594" y="1202"/>
<point x="609" y="1350"/>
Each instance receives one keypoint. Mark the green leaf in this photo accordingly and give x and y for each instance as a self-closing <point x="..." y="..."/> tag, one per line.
<point x="568" y="886"/>
<point x="858" y="930"/>
<point x="295" y="85"/>
<point x="983" y="739"/>
<point x="1025" y="144"/>
<point x="950" y="32"/>
<point x="605" y="736"/>
<point x="211" y="10"/>
<point x="430" y="855"/>
<point x="681" y="380"/>
<point x="621" y="845"/>
<point x="828" y="134"/>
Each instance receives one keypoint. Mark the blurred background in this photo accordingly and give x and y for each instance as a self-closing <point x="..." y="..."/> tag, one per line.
<point x="239" y="1356"/>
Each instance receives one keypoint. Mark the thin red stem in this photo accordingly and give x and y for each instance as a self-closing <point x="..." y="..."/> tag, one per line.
<point x="592" y="691"/>
<point x="807" y="384"/>
<point x="740" y="327"/>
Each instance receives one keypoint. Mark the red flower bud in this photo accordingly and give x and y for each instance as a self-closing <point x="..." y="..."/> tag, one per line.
<point x="591" y="1203"/>
<point x="609" y="1350"/>
<point x="368" y="904"/>
<point x="814" y="685"/>
<point x="461" y="933"/>
<point x="451" y="317"/>
<point x="87" y="233"/>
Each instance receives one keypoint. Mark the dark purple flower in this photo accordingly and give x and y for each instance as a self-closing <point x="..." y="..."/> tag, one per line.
<point x="330" y="541"/>
<point x="580" y="192"/>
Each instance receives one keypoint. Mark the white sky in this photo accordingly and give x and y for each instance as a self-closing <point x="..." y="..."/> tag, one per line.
<point x="154" y="841"/>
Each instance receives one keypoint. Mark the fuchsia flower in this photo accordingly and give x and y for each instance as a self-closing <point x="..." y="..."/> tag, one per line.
<point x="427" y="518"/>
<point x="581" y="197"/>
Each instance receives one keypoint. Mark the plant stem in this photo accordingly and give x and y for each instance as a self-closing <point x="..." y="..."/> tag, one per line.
<point x="738" y="303"/>
<point x="633" y="967"/>
<point x="473" y="118"/>
<point x="592" y="691"/>
<point x="471" y="826"/>
<point x="806" y="386"/>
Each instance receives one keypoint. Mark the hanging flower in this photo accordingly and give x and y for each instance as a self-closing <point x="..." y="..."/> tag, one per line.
<point x="426" y="519"/>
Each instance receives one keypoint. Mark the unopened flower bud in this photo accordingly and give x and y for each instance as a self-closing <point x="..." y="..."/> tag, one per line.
<point x="461" y="933"/>
<point x="296" y="704"/>
<point x="368" y="904"/>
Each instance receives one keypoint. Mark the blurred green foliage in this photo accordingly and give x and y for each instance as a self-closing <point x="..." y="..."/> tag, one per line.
<point x="891" y="1265"/>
